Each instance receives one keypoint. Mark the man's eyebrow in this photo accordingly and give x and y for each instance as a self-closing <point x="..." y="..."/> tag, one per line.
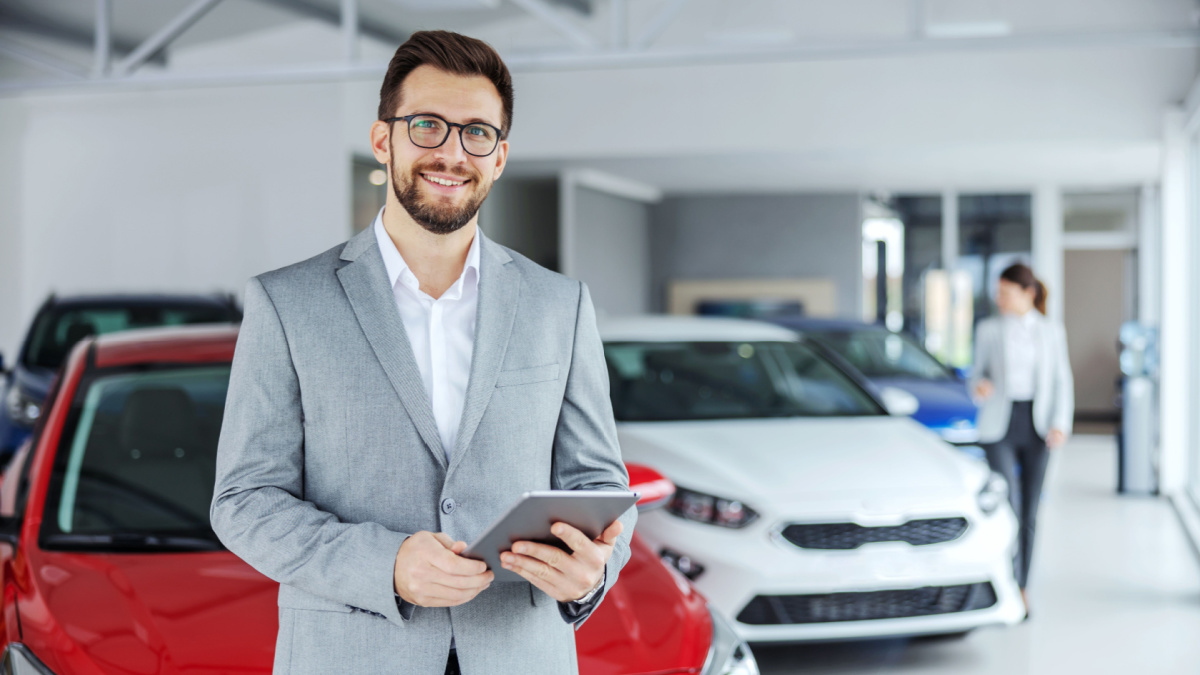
<point x="473" y="120"/>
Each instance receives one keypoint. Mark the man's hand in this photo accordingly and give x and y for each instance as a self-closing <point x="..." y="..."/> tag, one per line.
<point x="566" y="578"/>
<point x="1055" y="439"/>
<point x="430" y="573"/>
<point x="984" y="390"/>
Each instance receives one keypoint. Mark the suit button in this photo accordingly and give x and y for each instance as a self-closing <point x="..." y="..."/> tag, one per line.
<point x="448" y="506"/>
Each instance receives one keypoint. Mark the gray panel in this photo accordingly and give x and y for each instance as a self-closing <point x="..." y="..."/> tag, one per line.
<point x="612" y="251"/>
<point x="759" y="236"/>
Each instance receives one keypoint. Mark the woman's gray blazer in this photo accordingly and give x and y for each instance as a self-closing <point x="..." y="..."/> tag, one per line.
<point x="330" y="457"/>
<point x="1054" y="393"/>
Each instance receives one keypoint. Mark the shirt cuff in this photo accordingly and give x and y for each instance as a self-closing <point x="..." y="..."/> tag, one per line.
<point x="405" y="607"/>
<point x="574" y="611"/>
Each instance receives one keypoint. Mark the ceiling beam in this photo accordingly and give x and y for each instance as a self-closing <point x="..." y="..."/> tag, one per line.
<point x="165" y="35"/>
<point x="658" y="24"/>
<point x="40" y="59"/>
<point x="375" y="30"/>
<point x="561" y="22"/>
<point x="40" y="26"/>
<point x="681" y="57"/>
<point x="102" y="58"/>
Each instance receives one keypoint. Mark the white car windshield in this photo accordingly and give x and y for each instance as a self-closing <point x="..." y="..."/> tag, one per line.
<point x="661" y="381"/>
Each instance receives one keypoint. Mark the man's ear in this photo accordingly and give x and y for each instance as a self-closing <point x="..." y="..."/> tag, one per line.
<point x="381" y="141"/>
<point x="501" y="159"/>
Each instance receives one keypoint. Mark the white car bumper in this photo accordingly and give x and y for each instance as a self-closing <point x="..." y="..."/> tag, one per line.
<point x="740" y="565"/>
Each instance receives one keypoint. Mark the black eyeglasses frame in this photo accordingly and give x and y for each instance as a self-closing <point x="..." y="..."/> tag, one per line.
<point x="407" y="119"/>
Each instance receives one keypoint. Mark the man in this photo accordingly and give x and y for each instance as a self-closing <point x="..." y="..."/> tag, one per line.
<point x="392" y="396"/>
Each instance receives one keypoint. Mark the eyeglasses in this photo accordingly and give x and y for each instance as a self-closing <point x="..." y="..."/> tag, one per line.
<point x="430" y="131"/>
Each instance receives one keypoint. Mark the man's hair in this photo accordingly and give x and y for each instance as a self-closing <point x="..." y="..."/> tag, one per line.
<point x="453" y="53"/>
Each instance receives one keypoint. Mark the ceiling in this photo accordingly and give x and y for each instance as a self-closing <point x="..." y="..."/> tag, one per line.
<point x="52" y="41"/>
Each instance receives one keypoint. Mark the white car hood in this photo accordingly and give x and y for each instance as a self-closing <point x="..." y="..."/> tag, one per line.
<point x="878" y="462"/>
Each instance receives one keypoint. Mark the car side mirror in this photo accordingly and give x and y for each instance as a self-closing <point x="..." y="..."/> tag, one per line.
<point x="653" y="488"/>
<point x="10" y="530"/>
<point x="962" y="373"/>
<point x="899" y="402"/>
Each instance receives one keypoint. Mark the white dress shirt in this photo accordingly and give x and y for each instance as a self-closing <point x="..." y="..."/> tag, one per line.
<point x="1020" y="356"/>
<point x="441" y="331"/>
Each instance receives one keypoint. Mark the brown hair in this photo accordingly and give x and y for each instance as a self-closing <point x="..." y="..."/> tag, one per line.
<point x="453" y="53"/>
<point x="1022" y="276"/>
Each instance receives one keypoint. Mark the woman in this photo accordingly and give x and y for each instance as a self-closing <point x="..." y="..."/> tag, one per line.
<point x="1026" y="395"/>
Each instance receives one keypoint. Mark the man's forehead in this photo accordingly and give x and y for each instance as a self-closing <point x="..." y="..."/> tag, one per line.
<point x="429" y="89"/>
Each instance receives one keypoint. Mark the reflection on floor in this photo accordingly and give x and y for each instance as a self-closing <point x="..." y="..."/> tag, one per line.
<point x="1115" y="588"/>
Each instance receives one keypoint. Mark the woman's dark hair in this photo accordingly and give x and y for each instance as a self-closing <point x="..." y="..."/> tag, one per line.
<point x="1022" y="276"/>
<point x="453" y="53"/>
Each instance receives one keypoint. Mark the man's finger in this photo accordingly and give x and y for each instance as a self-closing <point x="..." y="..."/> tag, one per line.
<point x="571" y="536"/>
<point x="444" y="539"/>
<point x="457" y="565"/>
<point x="552" y="556"/>
<point x="460" y="582"/>
<point x="532" y="568"/>
<point x="458" y="548"/>
<point x="610" y="534"/>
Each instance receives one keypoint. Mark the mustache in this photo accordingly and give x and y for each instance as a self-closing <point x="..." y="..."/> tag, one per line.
<point x="441" y="167"/>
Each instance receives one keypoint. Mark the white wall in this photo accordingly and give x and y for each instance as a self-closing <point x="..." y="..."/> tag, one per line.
<point x="12" y="128"/>
<point x="179" y="190"/>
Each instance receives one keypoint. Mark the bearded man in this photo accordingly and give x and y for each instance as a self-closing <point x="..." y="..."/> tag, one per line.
<point x="392" y="396"/>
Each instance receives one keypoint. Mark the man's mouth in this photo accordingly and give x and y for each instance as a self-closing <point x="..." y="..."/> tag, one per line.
<point x="443" y="181"/>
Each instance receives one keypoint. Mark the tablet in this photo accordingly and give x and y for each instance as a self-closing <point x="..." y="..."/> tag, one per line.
<point x="530" y="518"/>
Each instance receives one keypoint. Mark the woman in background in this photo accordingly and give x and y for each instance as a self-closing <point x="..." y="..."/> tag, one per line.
<point x="1023" y="385"/>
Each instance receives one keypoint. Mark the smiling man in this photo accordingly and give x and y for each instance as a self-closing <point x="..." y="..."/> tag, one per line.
<point x="392" y="396"/>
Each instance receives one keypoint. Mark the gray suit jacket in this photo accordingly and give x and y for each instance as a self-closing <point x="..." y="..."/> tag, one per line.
<point x="1054" y="393"/>
<point x="330" y="457"/>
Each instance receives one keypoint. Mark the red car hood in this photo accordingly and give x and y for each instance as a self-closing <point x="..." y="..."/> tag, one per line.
<point x="651" y="622"/>
<point x="200" y="613"/>
<point x="162" y="613"/>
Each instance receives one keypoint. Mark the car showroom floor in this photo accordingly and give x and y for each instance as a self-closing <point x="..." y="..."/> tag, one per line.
<point x="1115" y="588"/>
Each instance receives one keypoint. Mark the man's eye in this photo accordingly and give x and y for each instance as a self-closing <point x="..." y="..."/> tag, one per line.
<point x="425" y="124"/>
<point x="477" y="131"/>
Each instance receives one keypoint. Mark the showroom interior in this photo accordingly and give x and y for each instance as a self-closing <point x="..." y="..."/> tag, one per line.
<point x="872" y="161"/>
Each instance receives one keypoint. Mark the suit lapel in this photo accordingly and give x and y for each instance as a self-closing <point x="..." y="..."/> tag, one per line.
<point x="365" y="281"/>
<point x="499" y="288"/>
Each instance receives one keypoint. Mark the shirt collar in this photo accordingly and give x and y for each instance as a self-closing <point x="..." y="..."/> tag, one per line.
<point x="398" y="270"/>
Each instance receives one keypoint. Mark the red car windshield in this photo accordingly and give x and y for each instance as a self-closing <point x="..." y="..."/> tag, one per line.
<point x="136" y="465"/>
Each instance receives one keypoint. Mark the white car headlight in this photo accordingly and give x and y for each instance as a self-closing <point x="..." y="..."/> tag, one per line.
<point x="702" y="508"/>
<point x="728" y="654"/>
<point x="993" y="494"/>
<point x="18" y="660"/>
<point x="22" y="408"/>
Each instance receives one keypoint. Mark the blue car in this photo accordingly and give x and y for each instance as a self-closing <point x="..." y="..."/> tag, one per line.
<point x="61" y="322"/>
<point x="897" y="361"/>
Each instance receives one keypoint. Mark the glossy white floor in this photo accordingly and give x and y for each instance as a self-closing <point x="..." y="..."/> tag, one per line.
<point x="1115" y="588"/>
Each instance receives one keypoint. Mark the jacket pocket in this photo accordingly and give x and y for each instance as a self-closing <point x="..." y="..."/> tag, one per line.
<point x="511" y="378"/>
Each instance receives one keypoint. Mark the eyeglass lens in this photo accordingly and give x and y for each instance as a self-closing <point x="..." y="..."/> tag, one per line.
<point x="429" y="132"/>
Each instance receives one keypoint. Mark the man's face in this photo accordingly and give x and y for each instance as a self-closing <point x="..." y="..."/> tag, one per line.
<point x="442" y="188"/>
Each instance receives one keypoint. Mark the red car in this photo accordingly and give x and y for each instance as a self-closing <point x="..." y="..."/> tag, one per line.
<point x="109" y="565"/>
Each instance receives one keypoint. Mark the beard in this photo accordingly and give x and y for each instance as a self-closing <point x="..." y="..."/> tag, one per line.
<point x="432" y="214"/>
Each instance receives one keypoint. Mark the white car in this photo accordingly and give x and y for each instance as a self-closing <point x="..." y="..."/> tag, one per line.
<point x="804" y="510"/>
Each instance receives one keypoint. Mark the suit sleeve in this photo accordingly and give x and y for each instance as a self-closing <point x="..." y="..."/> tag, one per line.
<point x="982" y="367"/>
<point x="1064" y="385"/>
<point x="258" y="509"/>
<point x="587" y="455"/>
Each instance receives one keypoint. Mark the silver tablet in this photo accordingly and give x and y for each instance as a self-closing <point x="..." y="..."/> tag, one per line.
<point x="530" y="519"/>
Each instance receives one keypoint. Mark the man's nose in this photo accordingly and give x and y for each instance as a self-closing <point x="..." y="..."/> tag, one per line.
<point x="452" y="150"/>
